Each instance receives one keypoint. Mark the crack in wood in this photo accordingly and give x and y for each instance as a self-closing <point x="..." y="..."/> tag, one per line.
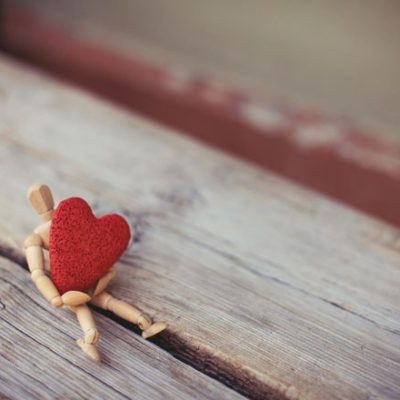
<point x="239" y="262"/>
<point x="13" y="254"/>
<point x="233" y="376"/>
<point x="206" y="362"/>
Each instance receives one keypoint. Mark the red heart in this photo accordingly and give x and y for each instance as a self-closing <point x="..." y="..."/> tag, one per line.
<point x="81" y="247"/>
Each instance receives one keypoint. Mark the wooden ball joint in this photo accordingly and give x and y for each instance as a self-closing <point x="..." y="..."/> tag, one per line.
<point x="54" y="291"/>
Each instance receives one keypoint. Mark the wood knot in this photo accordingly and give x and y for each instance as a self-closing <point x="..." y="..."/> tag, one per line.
<point x="182" y="197"/>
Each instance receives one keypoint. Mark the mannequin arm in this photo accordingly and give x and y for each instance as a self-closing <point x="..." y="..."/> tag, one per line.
<point x="35" y="258"/>
<point x="104" y="281"/>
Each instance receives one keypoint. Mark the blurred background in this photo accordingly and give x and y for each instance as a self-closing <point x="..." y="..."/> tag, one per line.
<point x="309" y="90"/>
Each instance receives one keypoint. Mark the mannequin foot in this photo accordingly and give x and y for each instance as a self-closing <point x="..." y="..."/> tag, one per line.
<point x="89" y="349"/>
<point x="154" y="329"/>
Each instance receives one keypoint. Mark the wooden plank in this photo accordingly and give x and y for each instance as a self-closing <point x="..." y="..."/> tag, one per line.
<point x="324" y="153"/>
<point x="39" y="359"/>
<point x="272" y="289"/>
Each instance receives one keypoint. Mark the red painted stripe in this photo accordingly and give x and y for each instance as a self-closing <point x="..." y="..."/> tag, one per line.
<point x="327" y="155"/>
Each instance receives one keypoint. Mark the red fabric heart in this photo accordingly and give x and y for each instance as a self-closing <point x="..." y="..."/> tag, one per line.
<point x="82" y="247"/>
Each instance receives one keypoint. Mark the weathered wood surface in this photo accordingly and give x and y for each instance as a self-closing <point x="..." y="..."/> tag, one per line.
<point x="324" y="153"/>
<point x="267" y="287"/>
<point x="39" y="358"/>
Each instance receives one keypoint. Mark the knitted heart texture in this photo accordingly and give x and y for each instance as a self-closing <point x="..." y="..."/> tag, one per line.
<point x="82" y="248"/>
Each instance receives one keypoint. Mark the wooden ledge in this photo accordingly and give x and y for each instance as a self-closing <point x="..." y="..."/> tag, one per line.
<point x="267" y="287"/>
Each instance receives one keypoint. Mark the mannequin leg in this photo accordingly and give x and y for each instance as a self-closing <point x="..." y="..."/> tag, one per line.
<point x="91" y="335"/>
<point x="129" y="313"/>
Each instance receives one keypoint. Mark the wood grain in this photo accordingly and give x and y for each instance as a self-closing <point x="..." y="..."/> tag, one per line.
<point x="327" y="154"/>
<point x="40" y="360"/>
<point x="272" y="289"/>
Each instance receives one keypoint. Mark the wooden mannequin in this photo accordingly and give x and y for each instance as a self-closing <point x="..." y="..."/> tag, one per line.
<point x="41" y="200"/>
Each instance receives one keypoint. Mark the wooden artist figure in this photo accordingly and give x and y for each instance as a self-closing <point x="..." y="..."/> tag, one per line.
<point x="82" y="251"/>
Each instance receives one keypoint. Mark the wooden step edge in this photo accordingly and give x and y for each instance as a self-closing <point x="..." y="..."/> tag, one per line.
<point x="328" y="155"/>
